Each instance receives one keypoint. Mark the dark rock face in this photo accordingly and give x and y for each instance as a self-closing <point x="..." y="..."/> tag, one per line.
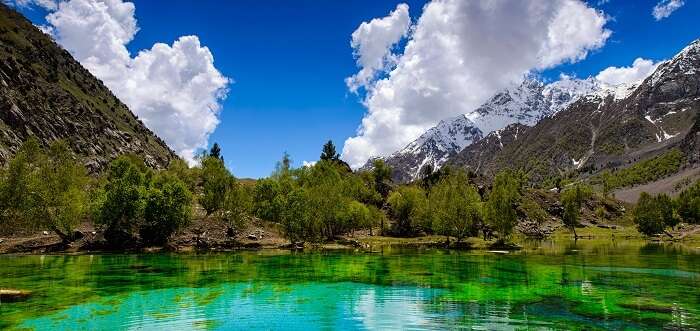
<point x="603" y="131"/>
<point x="45" y="93"/>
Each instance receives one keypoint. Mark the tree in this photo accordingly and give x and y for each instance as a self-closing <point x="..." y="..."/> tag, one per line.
<point x="40" y="189"/>
<point x="268" y="200"/>
<point x="62" y="191"/>
<point x="215" y="152"/>
<point x="168" y="209"/>
<point x="408" y="206"/>
<point x="499" y="209"/>
<point x="124" y="201"/>
<point x="572" y="199"/>
<point x="689" y="204"/>
<point x="455" y="206"/>
<point x="647" y="216"/>
<point x="329" y="153"/>
<point x="382" y="177"/>
<point x="216" y="180"/>
<point x="283" y="166"/>
<point x="238" y="204"/>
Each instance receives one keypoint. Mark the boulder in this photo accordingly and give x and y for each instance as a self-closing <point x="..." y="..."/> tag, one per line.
<point x="12" y="295"/>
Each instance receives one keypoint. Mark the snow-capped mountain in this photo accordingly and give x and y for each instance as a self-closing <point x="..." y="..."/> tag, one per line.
<point x="526" y="104"/>
<point x="611" y="127"/>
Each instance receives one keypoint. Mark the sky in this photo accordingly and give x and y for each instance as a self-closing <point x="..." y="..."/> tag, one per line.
<point x="264" y="77"/>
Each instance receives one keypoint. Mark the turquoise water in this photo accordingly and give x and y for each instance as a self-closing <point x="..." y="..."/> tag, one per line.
<point x="598" y="286"/>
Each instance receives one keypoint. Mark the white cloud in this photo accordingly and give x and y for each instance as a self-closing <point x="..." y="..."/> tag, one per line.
<point x="665" y="8"/>
<point x="308" y="163"/>
<point x="175" y="89"/>
<point x="458" y="54"/>
<point x="46" y="4"/>
<point x="640" y="69"/>
<point x="372" y="43"/>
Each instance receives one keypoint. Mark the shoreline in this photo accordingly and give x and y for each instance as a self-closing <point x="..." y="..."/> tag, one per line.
<point x="51" y="244"/>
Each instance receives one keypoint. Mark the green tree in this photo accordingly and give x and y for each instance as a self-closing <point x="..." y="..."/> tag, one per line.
<point x="124" y="201"/>
<point x="216" y="180"/>
<point x="647" y="215"/>
<point x="382" y="178"/>
<point x="62" y="191"/>
<point x="238" y="205"/>
<point x="329" y="153"/>
<point x="572" y="199"/>
<point x="455" y="207"/>
<point x="215" y="152"/>
<point x="499" y="209"/>
<point x="409" y="207"/>
<point x="168" y="209"/>
<point x="689" y="204"/>
<point x="297" y="219"/>
<point x="268" y="200"/>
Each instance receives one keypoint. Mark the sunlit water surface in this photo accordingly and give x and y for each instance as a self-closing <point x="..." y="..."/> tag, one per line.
<point x="601" y="286"/>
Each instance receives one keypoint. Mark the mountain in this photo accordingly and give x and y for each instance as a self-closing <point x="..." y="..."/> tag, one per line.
<point x="45" y="93"/>
<point x="608" y="128"/>
<point x="433" y="148"/>
<point x="526" y="104"/>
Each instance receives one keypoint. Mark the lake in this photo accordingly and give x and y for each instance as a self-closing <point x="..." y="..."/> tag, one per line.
<point x="565" y="286"/>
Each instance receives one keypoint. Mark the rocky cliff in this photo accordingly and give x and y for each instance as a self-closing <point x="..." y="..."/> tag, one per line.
<point x="45" y="93"/>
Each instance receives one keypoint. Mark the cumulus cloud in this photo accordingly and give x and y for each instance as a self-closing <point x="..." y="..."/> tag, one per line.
<point x="308" y="163"/>
<point x="458" y="54"/>
<point x="640" y="69"/>
<point x="175" y="89"/>
<point x="46" y="4"/>
<point x="665" y="8"/>
<point x="372" y="44"/>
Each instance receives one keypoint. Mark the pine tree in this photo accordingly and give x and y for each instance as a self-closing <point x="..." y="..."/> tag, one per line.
<point x="216" y="152"/>
<point x="329" y="153"/>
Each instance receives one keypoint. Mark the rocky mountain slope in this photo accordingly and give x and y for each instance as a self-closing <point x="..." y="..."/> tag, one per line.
<point x="525" y="104"/>
<point x="604" y="129"/>
<point x="45" y="93"/>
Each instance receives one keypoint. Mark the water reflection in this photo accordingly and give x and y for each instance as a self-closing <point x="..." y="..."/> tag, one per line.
<point x="603" y="286"/>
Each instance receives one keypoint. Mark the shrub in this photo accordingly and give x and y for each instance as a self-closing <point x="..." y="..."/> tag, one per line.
<point x="572" y="198"/>
<point x="648" y="216"/>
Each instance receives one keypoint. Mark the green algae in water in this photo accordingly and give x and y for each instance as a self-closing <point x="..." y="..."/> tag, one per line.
<point x="598" y="287"/>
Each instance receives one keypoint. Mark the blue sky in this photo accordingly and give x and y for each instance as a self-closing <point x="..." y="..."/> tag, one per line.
<point x="289" y="60"/>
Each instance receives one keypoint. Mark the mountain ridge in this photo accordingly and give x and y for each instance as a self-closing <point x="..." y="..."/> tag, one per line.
<point x="45" y="93"/>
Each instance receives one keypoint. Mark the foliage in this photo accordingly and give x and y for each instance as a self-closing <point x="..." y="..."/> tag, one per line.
<point x="238" y="205"/>
<point x="532" y="210"/>
<point x="216" y="180"/>
<point x="329" y="153"/>
<point x="167" y="209"/>
<point x="499" y="210"/>
<point x="44" y="189"/>
<point x="408" y="205"/>
<point x="648" y="216"/>
<point x="642" y="172"/>
<point x="688" y="203"/>
<point x="455" y="206"/>
<point x="382" y="177"/>
<point x="572" y="199"/>
<point x="215" y="152"/>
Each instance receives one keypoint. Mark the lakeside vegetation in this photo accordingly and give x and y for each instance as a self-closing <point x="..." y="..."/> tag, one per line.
<point x="137" y="206"/>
